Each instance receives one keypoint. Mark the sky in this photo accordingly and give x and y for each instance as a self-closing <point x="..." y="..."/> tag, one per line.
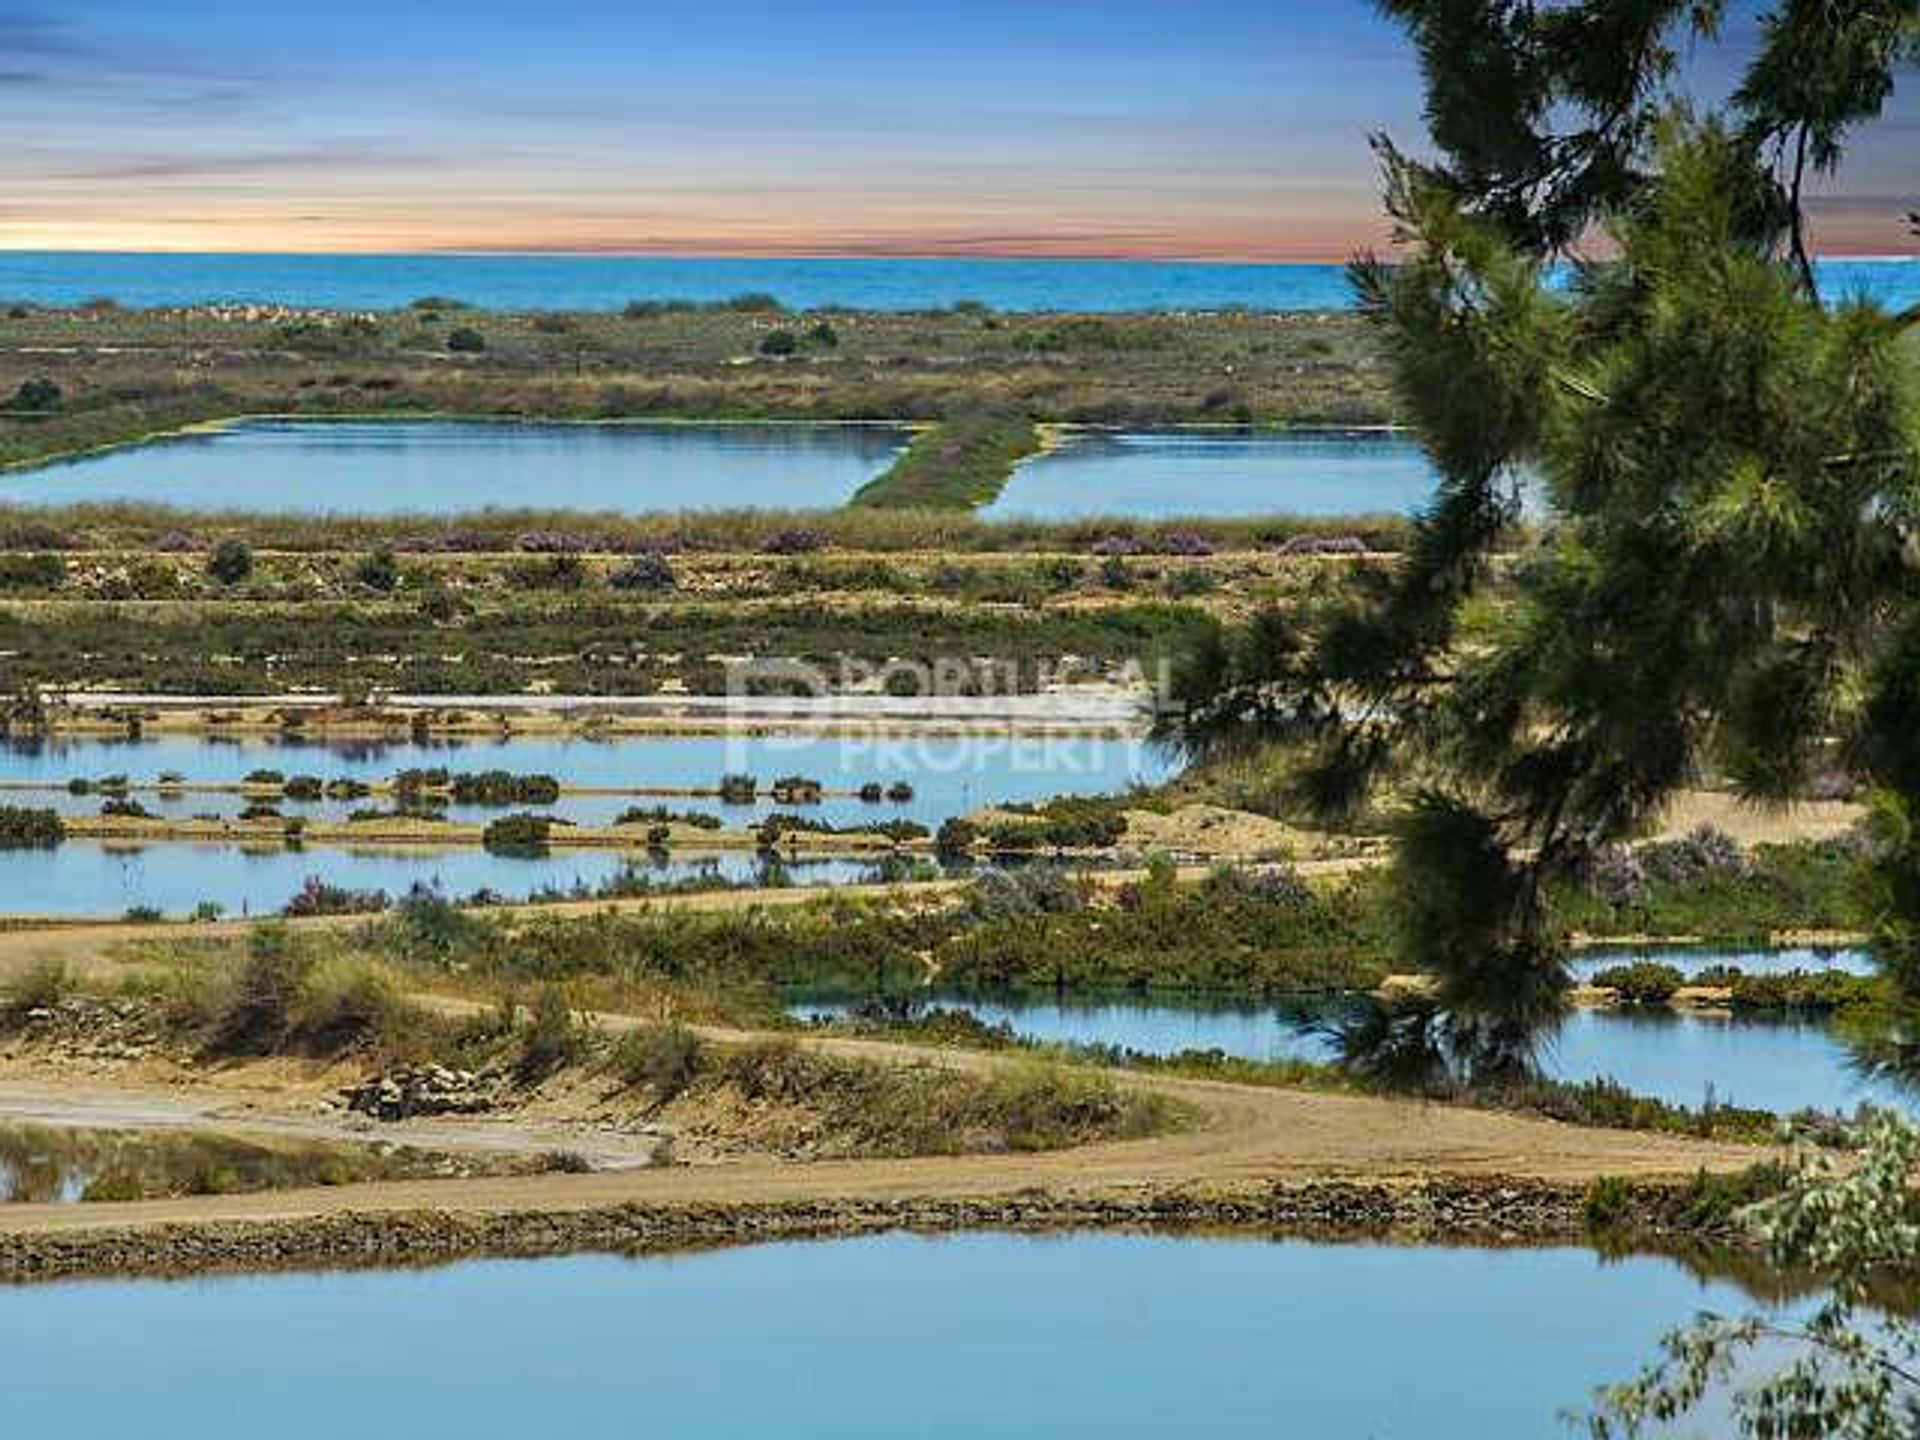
<point x="1208" y="129"/>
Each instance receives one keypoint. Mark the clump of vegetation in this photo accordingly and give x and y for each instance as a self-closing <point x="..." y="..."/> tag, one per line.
<point x="32" y="572"/>
<point x="1824" y="992"/>
<point x="379" y="570"/>
<point x="665" y="1058"/>
<point x="29" y="828"/>
<point x="797" y="790"/>
<point x="1644" y="982"/>
<point x="231" y="561"/>
<point x="553" y="1038"/>
<point x="38" y="394"/>
<point x="500" y="787"/>
<point x="956" y="837"/>
<point x="1066" y="823"/>
<point x="284" y="997"/>
<point x="465" y="340"/>
<point x="648" y="572"/>
<point x="519" y="835"/>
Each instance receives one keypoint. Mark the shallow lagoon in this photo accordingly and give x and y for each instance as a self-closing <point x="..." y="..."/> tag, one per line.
<point x="1085" y="1335"/>
<point x="950" y="774"/>
<point x="1156" y="475"/>
<point x="393" y="467"/>
<point x="1680" y="1057"/>
<point x="94" y="879"/>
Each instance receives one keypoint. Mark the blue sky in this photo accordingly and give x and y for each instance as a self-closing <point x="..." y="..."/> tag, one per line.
<point x="1217" y="128"/>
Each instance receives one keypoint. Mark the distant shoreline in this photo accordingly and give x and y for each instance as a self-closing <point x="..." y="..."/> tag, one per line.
<point x="598" y="281"/>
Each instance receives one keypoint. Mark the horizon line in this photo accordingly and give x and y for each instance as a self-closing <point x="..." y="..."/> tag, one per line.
<point x="851" y="254"/>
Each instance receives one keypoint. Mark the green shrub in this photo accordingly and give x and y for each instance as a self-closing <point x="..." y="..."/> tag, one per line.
<point x="956" y="837"/>
<point x="231" y="561"/>
<point x="1644" y="982"/>
<point x="501" y="787"/>
<point x="25" y="828"/>
<point x="465" y="340"/>
<point x="1608" y="1202"/>
<point x="379" y="570"/>
<point x="38" y="393"/>
<point x="32" y="572"/>
<point x="518" y="835"/>
<point x="648" y="572"/>
<point x="779" y="344"/>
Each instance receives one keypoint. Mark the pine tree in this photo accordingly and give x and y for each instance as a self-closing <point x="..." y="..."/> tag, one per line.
<point x="1720" y="475"/>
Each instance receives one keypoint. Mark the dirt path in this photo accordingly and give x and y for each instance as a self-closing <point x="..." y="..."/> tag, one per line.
<point x="1246" y="1137"/>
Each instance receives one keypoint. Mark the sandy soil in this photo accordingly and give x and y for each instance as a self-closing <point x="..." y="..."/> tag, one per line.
<point x="1246" y="1136"/>
<point x="1759" y="825"/>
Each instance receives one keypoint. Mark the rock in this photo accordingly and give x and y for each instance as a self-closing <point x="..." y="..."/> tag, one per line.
<point x="422" y="1090"/>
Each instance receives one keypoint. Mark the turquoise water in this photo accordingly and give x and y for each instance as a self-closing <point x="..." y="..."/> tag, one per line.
<point x="391" y="467"/>
<point x="1691" y="960"/>
<point x="1112" y="1337"/>
<point x="567" y="282"/>
<point x="950" y="775"/>
<point x="1680" y="1057"/>
<point x="1162" y="474"/>
<point x="85" y="877"/>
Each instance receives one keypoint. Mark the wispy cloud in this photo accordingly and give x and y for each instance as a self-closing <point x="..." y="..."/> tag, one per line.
<point x="186" y="166"/>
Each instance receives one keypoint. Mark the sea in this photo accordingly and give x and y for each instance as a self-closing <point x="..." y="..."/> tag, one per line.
<point x="609" y="282"/>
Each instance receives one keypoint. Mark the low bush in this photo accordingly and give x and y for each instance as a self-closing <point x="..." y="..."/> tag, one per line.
<point x="32" y="572"/>
<point x="378" y="570"/>
<point x="1644" y="982"/>
<point x="518" y="835"/>
<point x="1068" y="823"/>
<point x="231" y="562"/>
<point x="26" y="828"/>
<point x="649" y="572"/>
